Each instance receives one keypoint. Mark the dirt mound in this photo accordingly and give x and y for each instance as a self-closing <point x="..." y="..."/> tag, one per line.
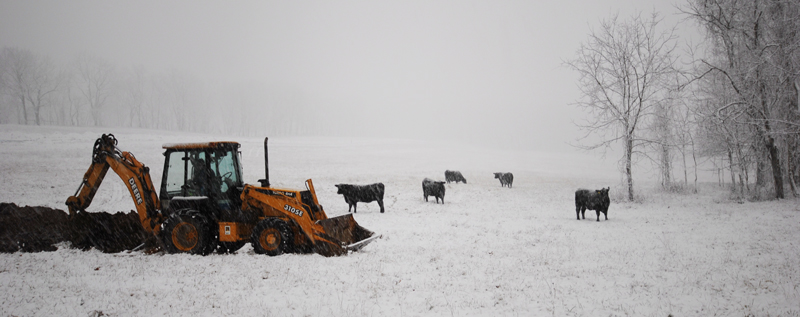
<point x="36" y="229"/>
<point x="31" y="229"/>
<point x="106" y="232"/>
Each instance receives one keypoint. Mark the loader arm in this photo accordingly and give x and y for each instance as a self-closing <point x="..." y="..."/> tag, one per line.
<point x="133" y="173"/>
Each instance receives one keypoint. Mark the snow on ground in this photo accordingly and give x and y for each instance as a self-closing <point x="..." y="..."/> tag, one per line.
<point x="487" y="251"/>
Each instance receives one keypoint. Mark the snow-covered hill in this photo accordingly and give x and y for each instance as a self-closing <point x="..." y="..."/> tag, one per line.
<point x="487" y="251"/>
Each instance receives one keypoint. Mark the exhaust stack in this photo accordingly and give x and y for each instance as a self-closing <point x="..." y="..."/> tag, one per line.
<point x="265" y="182"/>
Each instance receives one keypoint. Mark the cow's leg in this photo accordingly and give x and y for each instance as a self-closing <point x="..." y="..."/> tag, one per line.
<point x="355" y="205"/>
<point x="583" y="212"/>
<point x="598" y="215"/>
<point x="426" y="197"/>
<point x="349" y="207"/>
<point x="380" y="203"/>
<point x="605" y="213"/>
<point x="578" y="211"/>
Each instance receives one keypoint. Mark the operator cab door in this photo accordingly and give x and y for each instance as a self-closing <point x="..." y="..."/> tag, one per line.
<point x="202" y="174"/>
<point x="225" y="164"/>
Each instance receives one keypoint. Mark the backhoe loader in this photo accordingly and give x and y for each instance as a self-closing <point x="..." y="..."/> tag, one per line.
<point x="204" y="205"/>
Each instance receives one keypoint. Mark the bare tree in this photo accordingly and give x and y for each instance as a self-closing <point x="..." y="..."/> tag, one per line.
<point x="623" y="70"/>
<point x="42" y="83"/>
<point x="94" y="81"/>
<point x="134" y="95"/>
<point x="4" y="88"/>
<point x="71" y="98"/>
<point x="19" y="63"/>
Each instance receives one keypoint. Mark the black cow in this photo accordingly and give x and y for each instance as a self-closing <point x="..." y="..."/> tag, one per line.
<point x="454" y="176"/>
<point x="361" y="193"/>
<point x="592" y="200"/>
<point x="432" y="188"/>
<point x="505" y="179"/>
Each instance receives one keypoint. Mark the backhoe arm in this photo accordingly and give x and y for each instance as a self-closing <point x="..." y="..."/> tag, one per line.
<point x="135" y="175"/>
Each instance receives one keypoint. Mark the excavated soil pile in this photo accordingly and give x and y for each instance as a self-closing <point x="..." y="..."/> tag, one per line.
<point x="106" y="232"/>
<point x="31" y="229"/>
<point x="35" y="229"/>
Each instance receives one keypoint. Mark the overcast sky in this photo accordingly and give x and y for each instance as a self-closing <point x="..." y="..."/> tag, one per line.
<point x="490" y="71"/>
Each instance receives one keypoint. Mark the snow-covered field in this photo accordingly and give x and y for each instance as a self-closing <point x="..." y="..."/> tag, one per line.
<point x="487" y="251"/>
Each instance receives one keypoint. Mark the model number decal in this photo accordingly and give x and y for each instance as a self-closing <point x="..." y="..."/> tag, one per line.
<point x="293" y="210"/>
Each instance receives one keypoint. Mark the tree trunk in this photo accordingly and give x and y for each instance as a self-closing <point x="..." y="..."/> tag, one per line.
<point x="796" y="164"/>
<point x="790" y="168"/>
<point x="628" y="159"/>
<point x="743" y="170"/>
<point x="685" y="169"/>
<point x="695" y="170"/>
<point x="666" y="169"/>
<point x="24" y="111"/>
<point x="761" y="170"/>
<point x="733" y="175"/>
<point x="777" y="174"/>
<point x="797" y="89"/>
<point x="36" y="104"/>
<point x="741" y="185"/>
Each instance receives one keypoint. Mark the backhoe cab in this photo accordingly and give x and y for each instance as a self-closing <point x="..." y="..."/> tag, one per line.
<point x="205" y="206"/>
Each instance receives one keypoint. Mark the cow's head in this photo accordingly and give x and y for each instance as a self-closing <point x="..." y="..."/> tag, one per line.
<point x="497" y="175"/>
<point x="339" y="188"/>
<point x="603" y="193"/>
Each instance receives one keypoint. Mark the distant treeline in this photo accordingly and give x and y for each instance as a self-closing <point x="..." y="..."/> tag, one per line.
<point x="90" y="91"/>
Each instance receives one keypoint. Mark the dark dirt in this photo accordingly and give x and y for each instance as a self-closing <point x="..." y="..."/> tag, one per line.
<point x="31" y="229"/>
<point x="36" y="229"/>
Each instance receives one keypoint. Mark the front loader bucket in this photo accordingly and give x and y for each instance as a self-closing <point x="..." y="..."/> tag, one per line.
<point x="342" y="234"/>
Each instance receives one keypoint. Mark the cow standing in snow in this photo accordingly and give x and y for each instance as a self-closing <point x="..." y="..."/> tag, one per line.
<point x="592" y="200"/>
<point x="361" y="193"/>
<point x="505" y="179"/>
<point x="454" y="176"/>
<point x="432" y="188"/>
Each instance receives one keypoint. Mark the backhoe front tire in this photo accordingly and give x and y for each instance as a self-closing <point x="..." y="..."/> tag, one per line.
<point x="188" y="233"/>
<point x="272" y="237"/>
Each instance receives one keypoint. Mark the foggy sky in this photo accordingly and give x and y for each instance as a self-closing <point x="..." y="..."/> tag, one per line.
<point x="482" y="71"/>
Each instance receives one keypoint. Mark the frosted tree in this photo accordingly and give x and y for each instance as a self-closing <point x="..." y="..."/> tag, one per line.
<point x="754" y="51"/>
<point x="624" y="68"/>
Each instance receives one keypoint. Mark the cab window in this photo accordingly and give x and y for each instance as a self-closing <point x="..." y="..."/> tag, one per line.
<point x="176" y="173"/>
<point x="226" y="170"/>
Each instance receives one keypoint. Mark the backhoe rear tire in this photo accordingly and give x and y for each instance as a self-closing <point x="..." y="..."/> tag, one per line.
<point x="272" y="236"/>
<point x="188" y="233"/>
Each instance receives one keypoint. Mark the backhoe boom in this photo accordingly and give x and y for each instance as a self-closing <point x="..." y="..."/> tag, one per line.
<point x="135" y="175"/>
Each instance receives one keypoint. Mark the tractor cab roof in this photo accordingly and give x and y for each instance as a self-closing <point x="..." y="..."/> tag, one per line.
<point x="202" y="145"/>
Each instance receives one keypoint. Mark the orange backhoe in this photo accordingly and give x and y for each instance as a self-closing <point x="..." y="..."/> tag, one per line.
<point x="204" y="205"/>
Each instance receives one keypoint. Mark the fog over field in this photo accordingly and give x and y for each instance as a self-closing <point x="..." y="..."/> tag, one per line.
<point x="361" y="92"/>
<point x="479" y="72"/>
